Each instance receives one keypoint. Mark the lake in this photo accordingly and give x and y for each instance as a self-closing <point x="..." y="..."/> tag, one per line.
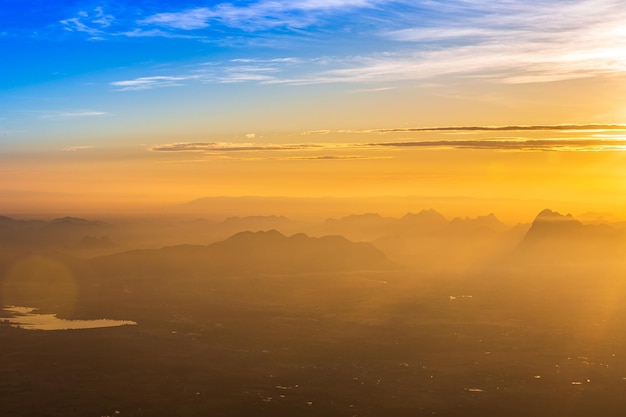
<point x="28" y="318"/>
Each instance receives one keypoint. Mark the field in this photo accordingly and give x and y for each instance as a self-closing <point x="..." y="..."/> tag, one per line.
<point x="393" y="343"/>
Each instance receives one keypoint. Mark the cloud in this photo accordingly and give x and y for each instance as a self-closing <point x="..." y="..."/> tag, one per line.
<point x="515" y="42"/>
<point x="505" y="41"/>
<point x="592" y="142"/>
<point x="233" y="71"/>
<point x="152" y="33"/>
<point x="229" y="147"/>
<point x="302" y="158"/>
<point x="92" y="23"/>
<point x="186" y="20"/>
<point x="147" y="83"/>
<point x="501" y="144"/>
<point x="77" y="148"/>
<point x="508" y="42"/>
<point x="334" y="157"/>
<point x="264" y="14"/>
<point x="372" y="90"/>
<point x="515" y="145"/>
<point x="563" y="127"/>
<point x="72" y="114"/>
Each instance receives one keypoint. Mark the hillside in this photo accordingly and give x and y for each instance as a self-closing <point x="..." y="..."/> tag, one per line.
<point x="249" y="252"/>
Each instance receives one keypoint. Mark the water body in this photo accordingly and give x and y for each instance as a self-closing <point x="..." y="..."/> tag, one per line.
<point x="27" y="318"/>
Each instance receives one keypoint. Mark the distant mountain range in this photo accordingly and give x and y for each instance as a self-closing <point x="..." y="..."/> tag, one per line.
<point x="425" y="240"/>
<point x="32" y="234"/>
<point x="249" y="252"/>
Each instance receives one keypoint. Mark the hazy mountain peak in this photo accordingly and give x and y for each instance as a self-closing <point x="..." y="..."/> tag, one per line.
<point x="549" y="215"/>
<point x="364" y="216"/>
<point x="598" y="218"/>
<point x="425" y="214"/>
<point x="429" y="212"/>
<point x="299" y="236"/>
<point x="269" y="234"/>
<point x="552" y="224"/>
<point x="357" y="218"/>
<point x="77" y="221"/>
<point x="488" y="222"/>
<point x="425" y="219"/>
<point x="255" y="218"/>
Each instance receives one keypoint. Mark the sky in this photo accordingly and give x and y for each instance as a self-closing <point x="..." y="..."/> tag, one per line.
<point x="113" y="105"/>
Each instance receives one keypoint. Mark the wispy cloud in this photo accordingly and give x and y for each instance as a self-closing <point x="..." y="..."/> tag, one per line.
<point x="561" y="127"/>
<point x="505" y="41"/>
<point x="301" y="158"/>
<point x="515" y="145"/>
<point x="187" y="20"/>
<point x="233" y="71"/>
<point x="147" y="83"/>
<point x="495" y="144"/>
<point x="593" y="141"/>
<point x="264" y="14"/>
<point x="229" y="147"/>
<point x="155" y="33"/>
<point x="514" y="41"/>
<point x="71" y="114"/>
<point x="334" y="157"/>
<point x="77" y="148"/>
<point x="93" y="23"/>
<point x="372" y="90"/>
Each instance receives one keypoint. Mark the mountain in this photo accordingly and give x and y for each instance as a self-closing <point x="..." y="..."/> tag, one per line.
<point x="426" y="221"/>
<point x="53" y="233"/>
<point x="591" y="217"/>
<point x="478" y="226"/>
<point x="550" y="225"/>
<point x="95" y="243"/>
<point x="428" y="241"/>
<point x="236" y="224"/>
<point x="249" y="252"/>
<point x="554" y="238"/>
<point x="360" y="227"/>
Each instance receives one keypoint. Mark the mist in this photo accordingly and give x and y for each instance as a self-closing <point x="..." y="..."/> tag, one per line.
<point x="364" y="314"/>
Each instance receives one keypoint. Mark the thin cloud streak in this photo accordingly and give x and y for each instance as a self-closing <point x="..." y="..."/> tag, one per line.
<point x="302" y="158"/>
<point x="229" y="147"/>
<point x="593" y="143"/>
<point x="77" y="148"/>
<point x="515" y="145"/>
<point x="147" y="83"/>
<point x="72" y="114"/>
<point x="513" y="128"/>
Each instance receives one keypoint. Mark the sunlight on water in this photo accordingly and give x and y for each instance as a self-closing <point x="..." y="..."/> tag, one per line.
<point x="25" y="318"/>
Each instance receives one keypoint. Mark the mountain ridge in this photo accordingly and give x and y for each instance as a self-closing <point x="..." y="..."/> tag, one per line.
<point x="251" y="252"/>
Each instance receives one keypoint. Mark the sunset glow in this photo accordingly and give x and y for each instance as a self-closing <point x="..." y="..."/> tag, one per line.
<point x="108" y="107"/>
<point x="312" y="208"/>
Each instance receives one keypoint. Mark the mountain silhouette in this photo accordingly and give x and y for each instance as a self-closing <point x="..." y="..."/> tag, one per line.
<point x="428" y="241"/>
<point x="360" y="227"/>
<point x="478" y="226"/>
<point x="551" y="225"/>
<point x="554" y="238"/>
<point x="426" y="221"/>
<point x="52" y="233"/>
<point x="250" y="252"/>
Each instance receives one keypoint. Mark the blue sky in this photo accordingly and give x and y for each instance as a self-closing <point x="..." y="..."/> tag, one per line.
<point x="145" y="68"/>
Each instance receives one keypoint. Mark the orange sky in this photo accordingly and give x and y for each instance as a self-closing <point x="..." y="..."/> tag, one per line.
<point x="570" y="170"/>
